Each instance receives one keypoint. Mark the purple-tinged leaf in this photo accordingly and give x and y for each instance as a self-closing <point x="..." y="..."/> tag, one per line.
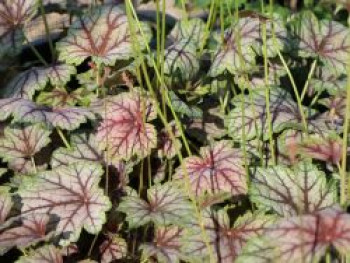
<point x="14" y="14"/>
<point x="290" y="192"/>
<point x="181" y="63"/>
<point x="125" y="130"/>
<point x="301" y="238"/>
<point x="72" y="195"/>
<point x="45" y="254"/>
<point x="20" y="144"/>
<point x="327" y="40"/>
<point x="226" y="242"/>
<point x="104" y="35"/>
<point x="67" y="118"/>
<point x="192" y="29"/>
<point x="165" y="246"/>
<point x="113" y="248"/>
<point x="5" y="203"/>
<point x="32" y="230"/>
<point x="336" y="110"/>
<point x="327" y="149"/>
<point x="220" y="168"/>
<point x="7" y="107"/>
<point x="237" y="52"/>
<point x="284" y="113"/>
<point x="166" y="205"/>
<point x="166" y="146"/>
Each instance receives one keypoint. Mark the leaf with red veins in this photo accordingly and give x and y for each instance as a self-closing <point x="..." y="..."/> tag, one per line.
<point x="25" y="84"/>
<point x="20" y="143"/>
<point x="327" y="40"/>
<point x="226" y="242"/>
<point x="32" y="230"/>
<point x="5" y="203"/>
<point x="289" y="192"/>
<point x="165" y="246"/>
<point x="220" y="168"/>
<point x="301" y="238"/>
<point x="166" y="205"/>
<point x="327" y="149"/>
<point x="166" y="146"/>
<point x="125" y="130"/>
<point x="70" y="193"/>
<point x="66" y="118"/>
<point x="113" y="248"/>
<point x="102" y="34"/>
<point x="336" y="110"/>
<point x="14" y="14"/>
<point x="45" y="254"/>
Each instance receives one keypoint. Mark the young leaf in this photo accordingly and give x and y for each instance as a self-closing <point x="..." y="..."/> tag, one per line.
<point x="104" y="35"/>
<point x="165" y="246"/>
<point x="45" y="254"/>
<point x="292" y="192"/>
<point x="124" y="129"/>
<point x="20" y="143"/>
<point x="226" y="241"/>
<point x="166" y="205"/>
<point x="166" y="146"/>
<point x="220" y="168"/>
<point x="112" y="249"/>
<point x="32" y="230"/>
<point x="327" y="40"/>
<point x="81" y="204"/>
<point x="5" y="203"/>
<point x="301" y="239"/>
<point x="14" y="14"/>
<point x="284" y="112"/>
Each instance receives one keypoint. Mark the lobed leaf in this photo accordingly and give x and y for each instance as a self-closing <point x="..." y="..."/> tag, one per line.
<point x="166" y="205"/>
<point x="192" y="29"/>
<point x="167" y="148"/>
<point x="112" y="249"/>
<point x="70" y="193"/>
<point x="125" y="130"/>
<point x="103" y="34"/>
<point x="220" y="168"/>
<point x="45" y="254"/>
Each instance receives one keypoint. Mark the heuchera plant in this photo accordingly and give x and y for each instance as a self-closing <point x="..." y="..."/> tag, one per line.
<point x="214" y="132"/>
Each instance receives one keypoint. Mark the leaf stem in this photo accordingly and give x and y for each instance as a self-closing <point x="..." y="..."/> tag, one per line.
<point x="47" y="29"/>
<point x="63" y="138"/>
<point x="311" y="73"/>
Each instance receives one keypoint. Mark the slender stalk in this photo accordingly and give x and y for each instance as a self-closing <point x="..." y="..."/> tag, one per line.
<point x="343" y="195"/>
<point x="311" y="73"/>
<point x="47" y="29"/>
<point x="33" y="164"/>
<point x="92" y="245"/>
<point x="35" y="51"/>
<point x="63" y="138"/>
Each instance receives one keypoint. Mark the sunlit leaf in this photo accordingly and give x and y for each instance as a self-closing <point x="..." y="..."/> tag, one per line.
<point x="5" y="203"/>
<point x="327" y="40"/>
<point x="237" y="51"/>
<point x="290" y="192"/>
<point x="113" y="248"/>
<point x="72" y="195"/>
<point x="226" y="242"/>
<point x="14" y="14"/>
<point x="284" y="112"/>
<point x="219" y="168"/>
<point x="301" y="238"/>
<point x="165" y="246"/>
<point x="166" y="205"/>
<point x="45" y="254"/>
<point x="21" y="143"/>
<point x="192" y="29"/>
<point x="125" y="129"/>
<point x="328" y="149"/>
<point x="166" y="146"/>
<point x="103" y="34"/>
<point x="67" y="118"/>
<point x="32" y="230"/>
